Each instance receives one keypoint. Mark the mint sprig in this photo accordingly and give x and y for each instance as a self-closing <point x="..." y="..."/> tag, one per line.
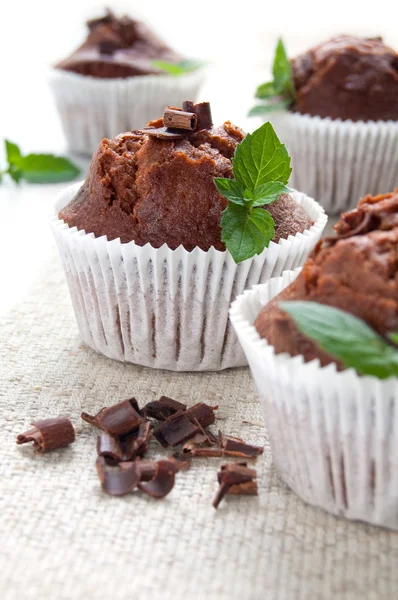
<point x="37" y="168"/>
<point x="278" y="93"/>
<point x="261" y="168"/>
<point x="346" y="338"/>
<point x="181" y="68"/>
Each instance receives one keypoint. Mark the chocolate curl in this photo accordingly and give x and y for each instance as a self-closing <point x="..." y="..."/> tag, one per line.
<point x="49" y="434"/>
<point x="147" y="469"/>
<point x="163" y="481"/>
<point x="109" y="447"/>
<point x="117" y="420"/>
<point x="175" y="430"/>
<point x="137" y="446"/>
<point x="236" y="476"/>
<point x="163" y="408"/>
<point x="117" y="481"/>
<point x="179" y="119"/>
<point x="164" y="134"/>
<point x="203" y="112"/>
<point x="238" y="448"/>
<point x="188" y="106"/>
<point x="203" y="413"/>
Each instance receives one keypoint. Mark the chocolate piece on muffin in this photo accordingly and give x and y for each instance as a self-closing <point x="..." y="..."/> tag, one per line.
<point x="118" y="47"/>
<point x="357" y="271"/>
<point x="156" y="186"/>
<point x="347" y="77"/>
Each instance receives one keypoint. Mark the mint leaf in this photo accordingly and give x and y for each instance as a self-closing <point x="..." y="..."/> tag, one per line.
<point x="260" y="158"/>
<point x="346" y="338"/>
<point x="231" y="190"/>
<point x="262" y="109"/>
<point x="46" y="168"/>
<point x="279" y="93"/>
<point x="268" y="192"/>
<point x="266" y="90"/>
<point x="13" y="152"/>
<point x="394" y="337"/>
<point x="14" y="173"/>
<point x="184" y="66"/>
<point x="282" y="71"/>
<point x="246" y="232"/>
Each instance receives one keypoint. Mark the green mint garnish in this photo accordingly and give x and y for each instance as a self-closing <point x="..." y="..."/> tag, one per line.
<point x="181" y="68"/>
<point x="38" y="168"/>
<point x="261" y="167"/>
<point x="346" y="338"/>
<point x="279" y="93"/>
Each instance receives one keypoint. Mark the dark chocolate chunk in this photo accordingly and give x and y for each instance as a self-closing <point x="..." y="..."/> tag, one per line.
<point x="203" y="413"/>
<point x="238" y="477"/>
<point x="175" y="430"/>
<point x="117" y="481"/>
<point x="179" y="119"/>
<point x="203" y="112"/>
<point x="117" y="420"/>
<point x="163" y="481"/>
<point x="163" y="408"/>
<point x="49" y="434"/>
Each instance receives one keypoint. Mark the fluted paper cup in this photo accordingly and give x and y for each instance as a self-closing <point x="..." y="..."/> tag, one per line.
<point x="92" y="108"/>
<point x="333" y="435"/>
<point x="166" y="308"/>
<point x="339" y="162"/>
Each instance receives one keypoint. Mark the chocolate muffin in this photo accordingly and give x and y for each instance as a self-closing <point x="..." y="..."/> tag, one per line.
<point x="157" y="187"/>
<point x="356" y="271"/>
<point x="118" y="47"/>
<point x="347" y="77"/>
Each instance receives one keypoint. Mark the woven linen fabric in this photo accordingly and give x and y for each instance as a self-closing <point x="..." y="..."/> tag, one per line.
<point x="62" y="538"/>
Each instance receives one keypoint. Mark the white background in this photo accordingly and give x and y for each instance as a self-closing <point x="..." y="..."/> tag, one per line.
<point x="236" y="37"/>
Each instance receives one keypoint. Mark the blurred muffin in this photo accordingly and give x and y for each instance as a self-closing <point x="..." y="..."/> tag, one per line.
<point x="117" y="79"/>
<point x="341" y="119"/>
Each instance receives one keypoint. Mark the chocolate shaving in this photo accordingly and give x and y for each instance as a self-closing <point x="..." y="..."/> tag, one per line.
<point x="109" y="447"/>
<point x="203" y="112"/>
<point x="108" y="47"/>
<point x="163" y="481"/>
<point x="107" y="18"/>
<point x="236" y="476"/>
<point x="163" y="133"/>
<point x="203" y="413"/>
<point x="175" y="430"/>
<point x="163" y="408"/>
<point x="236" y="447"/>
<point x="147" y="469"/>
<point x="179" y="119"/>
<point x="117" y="481"/>
<point x="49" y="434"/>
<point x="182" y="461"/>
<point x="117" y="420"/>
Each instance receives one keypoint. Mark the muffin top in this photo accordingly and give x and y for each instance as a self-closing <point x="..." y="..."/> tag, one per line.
<point x="157" y="185"/>
<point x="347" y="77"/>
<point x="118" y="47"/>
<point x="356" y="271"/>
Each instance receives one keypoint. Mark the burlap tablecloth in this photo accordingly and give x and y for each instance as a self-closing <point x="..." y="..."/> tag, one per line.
<point x="63" y="539"/>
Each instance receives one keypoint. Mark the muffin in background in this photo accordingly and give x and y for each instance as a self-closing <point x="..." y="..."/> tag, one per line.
<point x="142" y="242"/>
<point x="333" y="429"/>
<point x="117" y="79"/>
<point x="339" y="118"/>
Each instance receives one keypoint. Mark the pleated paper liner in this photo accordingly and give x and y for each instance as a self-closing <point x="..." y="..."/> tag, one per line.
<point x="164" y="308"/>
<point x="92" y="108"/>
<point x="338" y="162"/>
<point x="334" y="435"/>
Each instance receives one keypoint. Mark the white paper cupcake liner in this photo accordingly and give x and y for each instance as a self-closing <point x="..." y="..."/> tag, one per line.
<point x="167" y="308"/>
<point x="339" y="162"/>
<point x="334" y="435"/>
<point x="91" y="108"/>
